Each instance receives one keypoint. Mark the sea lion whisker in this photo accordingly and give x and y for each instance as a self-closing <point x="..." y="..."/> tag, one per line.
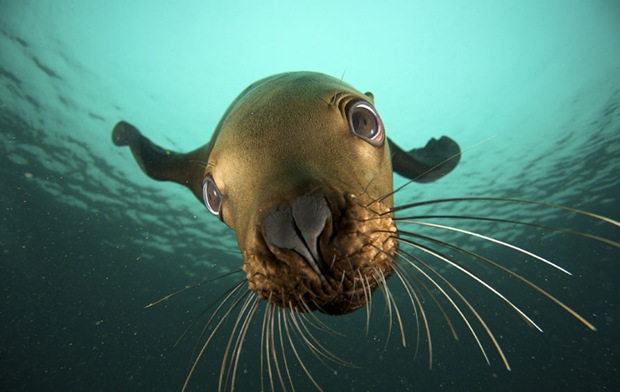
<point x="413" y="297"/>
<point x="264" y="343"/>
<point x="249" y="306"/>
<point x="398" y="318"/>
<point x="331" y="266"/>
<point x="433" y="297"/>
<point x="248" y="295"/>
<point x="272" y="346"/>
<point x="227" y="314"/>
<point x="353" y="292"/>
<point x="191" y="286"/>
<point x="309" y="313"/>
<point x="313" y="344"/>
<point x="367" y="304"/>
<point x="388" y="306"/>
<point x="457" y="156"/>
<point x="369" y="294"/>
<point x="202" y="164"/>
<point x="421" y="175"/>
<point x="197" y="318"/>
<point x="282" y="319"/>
<point x="272" y="357"/>
<point x="416" y="304"/>
<point x="222" y="300"/>
<point x="409" y="257"/>
<point x="516" y="222"/>
<point x="487" y="238"/>
<point x="475" y="277"/>
<point x="311" y="318"/>
<point x="299" y="360"/>
<point x="508" y="200"/>
<point x="256" y="303"/>
<point x="510" y="273"/>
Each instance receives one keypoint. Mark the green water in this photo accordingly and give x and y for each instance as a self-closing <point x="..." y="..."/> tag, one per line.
<point x="530" y="90"/>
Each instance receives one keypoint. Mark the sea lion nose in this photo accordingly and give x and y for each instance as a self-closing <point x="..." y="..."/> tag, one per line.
<point x="298" y="226"/>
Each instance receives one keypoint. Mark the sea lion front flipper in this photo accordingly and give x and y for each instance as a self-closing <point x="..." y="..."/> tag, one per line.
<point x="162" y="164"/>
<point x="426" y="164"/>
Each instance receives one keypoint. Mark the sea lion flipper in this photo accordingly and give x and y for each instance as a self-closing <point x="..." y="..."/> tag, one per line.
<point x="427" y="164"/>
<point x="162" y="164"/>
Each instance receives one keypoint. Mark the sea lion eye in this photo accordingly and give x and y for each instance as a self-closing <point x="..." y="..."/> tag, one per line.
<point x="212" y="196"/>
<point x="365" y="122"/>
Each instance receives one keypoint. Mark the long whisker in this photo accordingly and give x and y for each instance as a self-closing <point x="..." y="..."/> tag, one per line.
<point x="458" y="309"/>
<point x="388" y="306"/>
<point x="248" y="296"/>
<point x="416" y="304"/>
<point x="367" y="299"/>
<point x="226" y="294"/>
<point x="511" y="221"/>
<point x="191" y="286"/>
<point x="408" y="275"/>
<point x="504" y="199"/>
<point x="274" y="351"/>
<point x="314" y="345"/>
<point x="282" y="345"/>
<point x="299" y="360"/>
<point x="222" y="300"/>
<point x="396" y="311"/>
<point x="409" y="257"/>
<point x="413" y="297"/>
<point x="490" y="239"/>
<point x="264" y="343"/>
<point x="434" y="167"/>
<point x="215" y="329"/>
<point x="311" y="318"/>
<point x="512" y="274"/>
<point x="250" y="305"/>
<point x="475" y="277"/>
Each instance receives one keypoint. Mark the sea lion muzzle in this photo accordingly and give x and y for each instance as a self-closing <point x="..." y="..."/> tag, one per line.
<point x="326" y="253"/>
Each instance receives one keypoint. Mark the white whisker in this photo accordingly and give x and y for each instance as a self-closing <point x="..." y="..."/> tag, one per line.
<point x="215" y="329"/>
<point x="474" y="277"/>
<point x="496" y="241"/>
<point x="454" y="305"/>
<point x="283" y="347"/>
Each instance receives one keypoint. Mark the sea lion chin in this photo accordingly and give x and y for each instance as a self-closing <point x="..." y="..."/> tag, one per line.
<point x="301" y="169"/>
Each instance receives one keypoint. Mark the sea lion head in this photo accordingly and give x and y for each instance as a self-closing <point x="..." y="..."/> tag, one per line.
<point x="301" y="169"/>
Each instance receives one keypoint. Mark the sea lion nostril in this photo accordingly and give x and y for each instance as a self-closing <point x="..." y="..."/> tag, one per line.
<point x="311" y="213"/>
<point x="298" y="227"/>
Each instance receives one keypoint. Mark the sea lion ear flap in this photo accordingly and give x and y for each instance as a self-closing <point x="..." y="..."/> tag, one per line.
<point x="426" y="164"/>
<point x="161" y="164"/>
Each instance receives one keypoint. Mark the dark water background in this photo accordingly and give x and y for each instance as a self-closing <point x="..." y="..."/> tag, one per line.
<point x="87" y="241"/>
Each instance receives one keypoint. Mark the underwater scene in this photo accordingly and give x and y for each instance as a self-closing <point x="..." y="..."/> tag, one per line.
<point x="488" y="292"/>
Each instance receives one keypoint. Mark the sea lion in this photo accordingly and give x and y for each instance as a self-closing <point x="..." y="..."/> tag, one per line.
<point x="301" y="169"/>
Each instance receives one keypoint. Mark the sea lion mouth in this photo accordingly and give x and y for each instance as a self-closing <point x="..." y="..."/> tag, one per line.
<point x="322" y="252"/>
